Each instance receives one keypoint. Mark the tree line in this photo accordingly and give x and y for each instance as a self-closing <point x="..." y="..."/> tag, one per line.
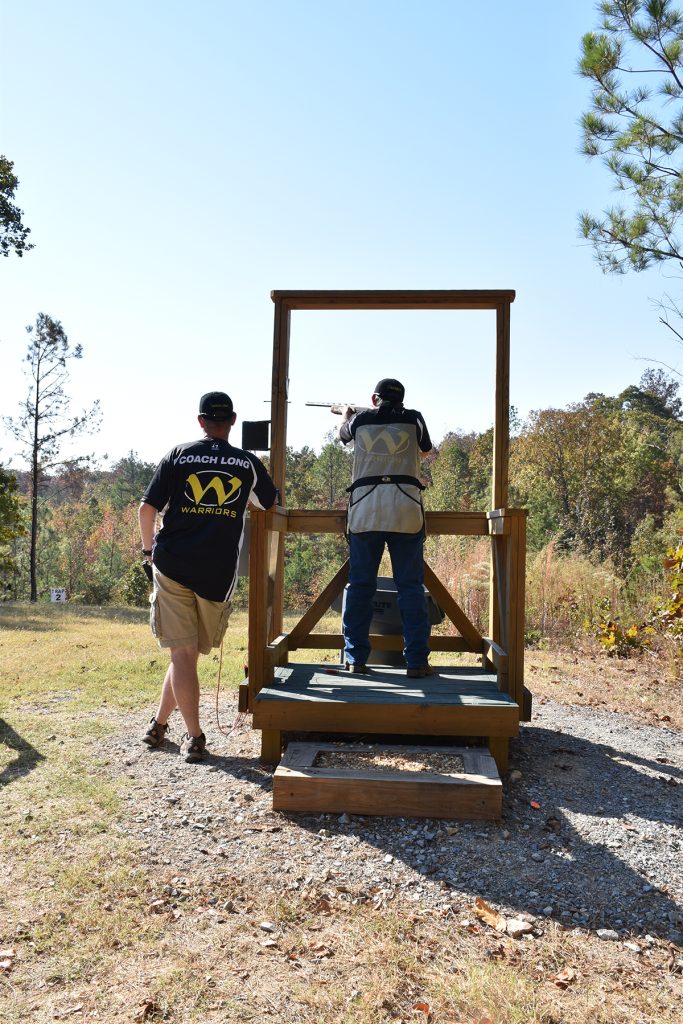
<point x="601" y="479"/>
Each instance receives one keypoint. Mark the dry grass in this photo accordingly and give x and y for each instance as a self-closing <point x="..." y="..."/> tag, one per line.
<point x="640" y="687"/>
<point x="89" y="932"/>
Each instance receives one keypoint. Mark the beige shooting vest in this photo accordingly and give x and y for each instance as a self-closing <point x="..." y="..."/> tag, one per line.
<point x="386" y="456"/>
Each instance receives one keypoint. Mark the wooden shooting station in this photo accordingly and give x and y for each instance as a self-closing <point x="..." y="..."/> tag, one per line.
<point x="486" y="702"/>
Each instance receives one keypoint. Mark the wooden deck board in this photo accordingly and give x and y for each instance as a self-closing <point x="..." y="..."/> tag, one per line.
<point x="453" y="701"/>
<point x="449" y="686"/>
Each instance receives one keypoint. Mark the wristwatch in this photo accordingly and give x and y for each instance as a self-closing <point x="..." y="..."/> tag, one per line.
<point x="145" y="551"/>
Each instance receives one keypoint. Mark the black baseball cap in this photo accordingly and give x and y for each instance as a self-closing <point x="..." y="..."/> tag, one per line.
<point x="390" y="389"/>
<point x="215" y="405"/>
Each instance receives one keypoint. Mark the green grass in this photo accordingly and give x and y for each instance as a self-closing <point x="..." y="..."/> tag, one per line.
<point x="94" y="658"/>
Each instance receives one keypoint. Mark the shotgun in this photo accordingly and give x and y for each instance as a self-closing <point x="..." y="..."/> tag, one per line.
<point x="338" y="407"/>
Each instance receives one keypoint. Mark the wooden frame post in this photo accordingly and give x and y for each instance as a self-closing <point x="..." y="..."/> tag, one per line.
<point x="501" y="422"/>
<point x="278" y="443"/>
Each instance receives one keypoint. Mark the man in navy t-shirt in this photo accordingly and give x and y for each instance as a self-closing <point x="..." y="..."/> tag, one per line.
<point x="202" y="488"/>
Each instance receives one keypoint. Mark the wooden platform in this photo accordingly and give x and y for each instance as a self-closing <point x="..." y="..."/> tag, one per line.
<point x="472" y="790"/>
<point x="322" y="698"/>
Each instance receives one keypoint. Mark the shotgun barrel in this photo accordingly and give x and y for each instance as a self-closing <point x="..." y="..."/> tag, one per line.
<point x="338" y="407"/>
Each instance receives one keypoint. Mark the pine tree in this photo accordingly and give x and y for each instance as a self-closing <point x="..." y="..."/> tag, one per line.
<point x="635" y="125"/>
<point x="44" y="422"/>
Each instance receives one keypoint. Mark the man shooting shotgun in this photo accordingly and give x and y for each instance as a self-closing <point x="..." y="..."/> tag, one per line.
<point x="385" y="507"/>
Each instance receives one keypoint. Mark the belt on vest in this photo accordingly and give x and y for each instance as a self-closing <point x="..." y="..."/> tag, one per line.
<point x="389" y="478"/>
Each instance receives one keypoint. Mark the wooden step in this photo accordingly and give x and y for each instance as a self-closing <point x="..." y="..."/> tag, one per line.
<point x="455" y="782"/>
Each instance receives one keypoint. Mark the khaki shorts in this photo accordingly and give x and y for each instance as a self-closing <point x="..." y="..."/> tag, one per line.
<point x="180" y="618"/>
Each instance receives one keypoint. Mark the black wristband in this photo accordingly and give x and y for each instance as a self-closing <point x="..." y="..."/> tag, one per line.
<point x="146" y="552"/>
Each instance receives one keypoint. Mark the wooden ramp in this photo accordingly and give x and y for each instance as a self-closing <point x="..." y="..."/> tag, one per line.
<point x="406" y="781"/>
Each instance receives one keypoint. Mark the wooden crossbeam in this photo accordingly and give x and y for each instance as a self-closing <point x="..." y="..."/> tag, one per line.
<point x="378" y="642"/>
<point x="459" y="524"/>
<point x="452" y="609"/>
<point x="394" y="299"/>
<point x="321" y="605"/>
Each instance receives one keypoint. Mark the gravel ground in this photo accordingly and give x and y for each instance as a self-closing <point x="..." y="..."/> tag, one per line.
<point x="591" y="834"/>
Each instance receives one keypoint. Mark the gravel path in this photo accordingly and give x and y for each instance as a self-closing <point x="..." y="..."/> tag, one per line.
<point x="592" y="833"/>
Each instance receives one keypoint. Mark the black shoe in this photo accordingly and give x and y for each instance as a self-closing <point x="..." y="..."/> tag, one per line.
<point x="156" y="734"/>
<point x="193" y="748"/>
<point x="355" y="668"/>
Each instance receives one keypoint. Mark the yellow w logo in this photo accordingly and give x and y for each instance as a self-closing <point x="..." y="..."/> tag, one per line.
<point x="216" y="484"/>
<point x="394" y="443"/>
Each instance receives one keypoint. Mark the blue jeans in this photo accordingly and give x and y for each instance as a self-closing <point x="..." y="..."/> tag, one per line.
<point x="406" y="553"/>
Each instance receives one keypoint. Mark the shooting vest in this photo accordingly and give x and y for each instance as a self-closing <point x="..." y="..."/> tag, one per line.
<point x="386" y="493"/>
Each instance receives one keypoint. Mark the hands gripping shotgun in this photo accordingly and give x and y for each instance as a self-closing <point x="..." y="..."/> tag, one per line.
<point x="338" y="407"/>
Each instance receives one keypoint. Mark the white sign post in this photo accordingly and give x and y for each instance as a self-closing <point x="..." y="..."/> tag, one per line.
<point x="58" y="595"/>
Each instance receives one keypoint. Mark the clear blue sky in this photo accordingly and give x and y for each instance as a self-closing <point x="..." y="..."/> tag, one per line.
<point x="178" y="161"/>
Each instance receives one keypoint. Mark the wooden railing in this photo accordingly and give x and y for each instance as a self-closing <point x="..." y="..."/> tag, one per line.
<point x="502" y="651"/>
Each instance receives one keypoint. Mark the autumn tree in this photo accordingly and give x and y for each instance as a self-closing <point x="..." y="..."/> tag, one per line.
<point x="590" y="473"/>
<point x="11" y="527"/>
<point x="44" y="422"/>
<point x="13" y="233"/>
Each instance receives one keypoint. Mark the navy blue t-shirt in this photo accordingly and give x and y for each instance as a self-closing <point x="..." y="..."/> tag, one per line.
<point x="203" y="488"/>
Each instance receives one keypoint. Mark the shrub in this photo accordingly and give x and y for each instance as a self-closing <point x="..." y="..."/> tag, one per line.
<point x="134" y="588"/>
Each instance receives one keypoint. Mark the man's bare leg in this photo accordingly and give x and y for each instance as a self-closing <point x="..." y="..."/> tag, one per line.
<point x="185" y="685"/>
<point x="167" y="701"/>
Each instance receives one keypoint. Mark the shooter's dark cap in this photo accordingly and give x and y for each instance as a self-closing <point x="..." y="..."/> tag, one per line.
<point x="390" y="389"/>
<point x="215" y="405"/>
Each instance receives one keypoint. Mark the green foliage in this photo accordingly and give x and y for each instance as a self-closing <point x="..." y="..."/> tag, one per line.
<point x="645" y="577"/>
<point x="663" y="624"/>
<point x="129" y="478"/>
<point x="301" y="491"/>
<point x="134" y="587"/>
<point x="12" y="527"/>
<point x="635" y="125"/>
<point x="569" y="461"/>
<point x="13" y="234"/>
<point x="533" y="637"/>
<point x="310" y="562"/>
<point x="656" y="394"/>
<point x="669" y="615"/>
<point x="460" y="472"/>
<point x="591" y="473"/>
<point x="331" y="474"/>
